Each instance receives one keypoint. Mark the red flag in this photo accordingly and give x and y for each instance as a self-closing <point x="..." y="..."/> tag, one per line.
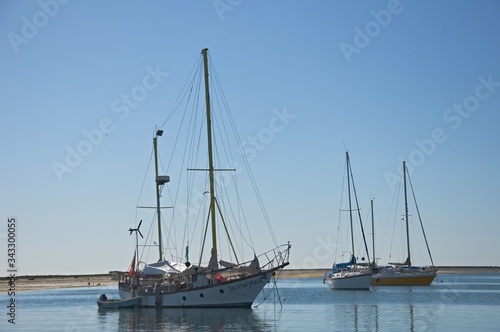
<point x="131" y="271"/>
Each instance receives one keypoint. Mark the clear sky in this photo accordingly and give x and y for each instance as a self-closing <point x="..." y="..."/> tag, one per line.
<point x="387" y="80"/>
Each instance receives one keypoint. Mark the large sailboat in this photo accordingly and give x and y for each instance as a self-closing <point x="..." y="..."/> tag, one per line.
<point x="405" y="274"/>
<point x="351" y="274"/>
<point x="216" y="283"/>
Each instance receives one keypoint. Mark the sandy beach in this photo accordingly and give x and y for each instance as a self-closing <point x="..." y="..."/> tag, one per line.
<point x="32" y="283"/>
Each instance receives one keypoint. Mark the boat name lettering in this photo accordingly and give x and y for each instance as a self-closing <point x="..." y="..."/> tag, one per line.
<point x="248" y="284"/>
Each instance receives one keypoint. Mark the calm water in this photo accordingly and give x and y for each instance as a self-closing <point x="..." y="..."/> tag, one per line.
<point x="452" y="303"/>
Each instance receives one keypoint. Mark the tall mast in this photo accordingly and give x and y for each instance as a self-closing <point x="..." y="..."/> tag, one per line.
<point x="408" y="260"/>
<point x="373" y="235"/>
<point x="158" y="209"/>
<point x="349" y="194"/>
<point x="210" y="156"/>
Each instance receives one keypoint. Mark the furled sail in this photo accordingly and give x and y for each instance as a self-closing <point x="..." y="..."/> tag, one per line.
<point x="164" y="267"/>
<point x="337" y="267"/>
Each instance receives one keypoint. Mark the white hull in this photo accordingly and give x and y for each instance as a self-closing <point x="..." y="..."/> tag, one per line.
<point x="219" y="283"/>
<point x="117" y="304"/>
<point x="349" y="280"/>
<point x="234" y="293"/>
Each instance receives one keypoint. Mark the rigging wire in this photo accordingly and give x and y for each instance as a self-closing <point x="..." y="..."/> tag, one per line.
<point x="144" y="179"/>
<point x="171" y="241"/>
<point x="359" y="213"/>
<point x="180" y="97"/>
<point x="395" y="219"/>
<point x="189" y="90"/>
<point x="192" y="157"/>
<point x="420" y="219"/>
<point x="389" y="213"/>
<point x="226" y="179"/>
<point x="188" y="101"/>
<point x="340" y="224"/>
<point x="245" y="161"/>
<point x="139" y="257"/>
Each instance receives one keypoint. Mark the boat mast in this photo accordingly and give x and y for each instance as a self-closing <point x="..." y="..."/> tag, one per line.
<point x="210" y="156"/>
<point x="349" y="194"/>
<point x="408" y="260"/>
<point x="373" y="234"/>
<point x="158" y="183"/>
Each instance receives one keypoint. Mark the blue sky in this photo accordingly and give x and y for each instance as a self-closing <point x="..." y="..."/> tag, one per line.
<point x="387" y="80"/>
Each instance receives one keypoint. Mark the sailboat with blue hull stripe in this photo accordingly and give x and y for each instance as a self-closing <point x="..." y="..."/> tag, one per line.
<point x="350" y="275"/>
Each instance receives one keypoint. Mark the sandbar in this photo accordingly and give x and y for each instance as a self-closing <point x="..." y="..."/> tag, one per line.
<point x="42" y="282"/>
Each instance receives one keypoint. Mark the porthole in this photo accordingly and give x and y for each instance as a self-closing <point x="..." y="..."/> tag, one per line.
<point x="221" y="291"/>
<point x="201" y="295"/>
<point x="183" y="298"/>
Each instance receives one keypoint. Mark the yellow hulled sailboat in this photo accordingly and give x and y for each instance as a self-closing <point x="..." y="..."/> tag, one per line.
<point x="404" y="274"/>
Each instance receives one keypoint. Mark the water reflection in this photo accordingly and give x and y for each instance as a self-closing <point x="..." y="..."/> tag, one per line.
<point x="355" y="318"/>
<point x="458" y="303"/>
<point x="308" y="306"/>
<point x="376" y="317"/>
<point x="192" y="319"/>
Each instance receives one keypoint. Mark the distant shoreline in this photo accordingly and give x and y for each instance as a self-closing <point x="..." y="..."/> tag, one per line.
<point x="41" y="282"/>
<point x="319" y="273"/>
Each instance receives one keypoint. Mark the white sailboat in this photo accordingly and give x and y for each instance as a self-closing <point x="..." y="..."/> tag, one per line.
<point x="351" y="274"/>
<point x="218" y="283"/>
<point x="405" y="274"/>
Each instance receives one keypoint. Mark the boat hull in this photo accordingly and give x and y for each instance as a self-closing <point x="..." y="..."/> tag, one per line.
<point x="236" y="293"/>
<point x="119" y="304"/>
<point x="349" y="281"/>
<point x="403" y="278"/>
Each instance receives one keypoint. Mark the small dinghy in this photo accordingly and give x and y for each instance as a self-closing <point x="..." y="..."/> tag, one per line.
<point x="104" y="303"/>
